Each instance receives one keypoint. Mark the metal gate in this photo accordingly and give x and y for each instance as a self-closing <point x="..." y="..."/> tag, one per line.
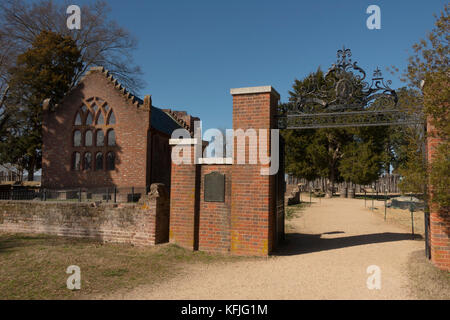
<point x="280" y="189"/>
<point x="337" y="103"/>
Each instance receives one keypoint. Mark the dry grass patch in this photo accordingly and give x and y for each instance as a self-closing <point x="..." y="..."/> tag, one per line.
<point x="34" y="266"/>
<point x="425" y="280"/>
<point x="402" y="218"/>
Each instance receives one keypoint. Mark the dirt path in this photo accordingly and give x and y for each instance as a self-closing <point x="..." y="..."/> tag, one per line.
<point x="329" y="247"/>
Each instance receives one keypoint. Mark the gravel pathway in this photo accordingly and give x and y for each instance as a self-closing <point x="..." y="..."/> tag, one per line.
<point x="329" y="247"/>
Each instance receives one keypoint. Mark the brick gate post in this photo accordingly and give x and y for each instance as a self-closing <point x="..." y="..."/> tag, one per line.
<point x="252" y="194"/>
<point x="439" y="218"/>
<point x="184" y="199"/>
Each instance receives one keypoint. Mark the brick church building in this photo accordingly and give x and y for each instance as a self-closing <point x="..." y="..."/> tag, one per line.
<point x="101" y="135"/>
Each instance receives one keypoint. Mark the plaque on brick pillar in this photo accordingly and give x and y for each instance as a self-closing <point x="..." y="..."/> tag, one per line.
<point x="214" y="187"/>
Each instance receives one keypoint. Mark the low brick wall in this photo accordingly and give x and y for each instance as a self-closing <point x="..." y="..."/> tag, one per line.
<point x="143" y="223"/>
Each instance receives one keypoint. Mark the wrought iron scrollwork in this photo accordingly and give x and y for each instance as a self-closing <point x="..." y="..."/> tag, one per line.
<point x="343" y="97"/>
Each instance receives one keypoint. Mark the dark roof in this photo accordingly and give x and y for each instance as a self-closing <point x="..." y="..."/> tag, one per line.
<point x="161" y="121"/>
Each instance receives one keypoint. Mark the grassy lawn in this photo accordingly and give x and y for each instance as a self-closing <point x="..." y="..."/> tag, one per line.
<point x="34" y="266"/>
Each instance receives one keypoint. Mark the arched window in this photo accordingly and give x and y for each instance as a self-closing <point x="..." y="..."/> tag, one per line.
<point x="76" y="161"/>
<point x="112" y="118"/>
<point x="99" y="161"/>
<point x="100" y="119"/>
<point x="77" y="138"/>
<point x="78" y="120"/>
<point x="88" y="139"/>
<point x="87" y="161"/>
<point x="89" y="120"/>
<point x="110" y="161"/>
<point x="111" y="137"/>
<point x="100" y="140"/>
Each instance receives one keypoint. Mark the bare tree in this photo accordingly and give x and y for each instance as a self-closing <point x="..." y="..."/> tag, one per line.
<point x="102" y="42"/>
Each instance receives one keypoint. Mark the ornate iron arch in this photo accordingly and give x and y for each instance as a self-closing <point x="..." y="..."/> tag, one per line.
<point x="344" y="98"/>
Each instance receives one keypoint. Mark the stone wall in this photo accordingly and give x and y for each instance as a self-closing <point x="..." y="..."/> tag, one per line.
<point x="143" y="223"/>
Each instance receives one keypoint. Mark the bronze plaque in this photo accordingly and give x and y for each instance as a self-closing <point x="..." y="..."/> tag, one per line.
<point x="215" y="187"/>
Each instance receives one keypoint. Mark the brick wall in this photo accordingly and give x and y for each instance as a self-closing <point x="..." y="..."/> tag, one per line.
<point x="215" y="217"/>
<point x="144" y="223"/>
<point x="252" y="203"/>
<point x="439" y="218"/>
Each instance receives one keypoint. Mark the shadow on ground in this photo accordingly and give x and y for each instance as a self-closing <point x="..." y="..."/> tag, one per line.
<point x="299" y="243"/>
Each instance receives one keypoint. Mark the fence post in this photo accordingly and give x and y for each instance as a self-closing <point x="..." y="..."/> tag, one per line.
<point x="107" y="194"/>
<point x="132" y="194"/>
<point x="365" y="198"/>
<point x="372" y="198"/>
<point x="115" y="194"/>
<point x="411" y="208"/>
<point x="45" y="195"/>
<point x="385" y="202"/>
<point x="79" y="195"/>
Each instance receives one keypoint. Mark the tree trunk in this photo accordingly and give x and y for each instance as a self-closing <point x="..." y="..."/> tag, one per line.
<point x="30" y="169"/>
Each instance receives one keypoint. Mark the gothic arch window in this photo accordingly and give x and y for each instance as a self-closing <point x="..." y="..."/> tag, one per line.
<point x="89" y="119"/>
<point x="99" y="161"/>
<point x="77" y="138"/>
<point x="111" y="138"/>
<point x="100" y="119"/>
<point x="88" y="138"/>
<point x="100" y="139"/>
<point x="110" y="161"/>
<point x="112" y="118"/>
<point x="76" y="161"/>
<point x="87" y="161"/>
<point x="78" y="121"/>
<point x="93" y="136"/>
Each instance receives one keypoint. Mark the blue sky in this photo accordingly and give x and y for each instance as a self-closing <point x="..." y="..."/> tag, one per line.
<point x="193" y="52"/>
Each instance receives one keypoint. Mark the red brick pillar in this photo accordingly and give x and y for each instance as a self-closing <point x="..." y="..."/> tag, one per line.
<point x="184" y="200"/>
<point x="439" y="218"/>
<point x="252" y="194"/>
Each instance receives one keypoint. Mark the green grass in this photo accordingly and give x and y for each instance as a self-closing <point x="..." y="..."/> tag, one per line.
<point x="34" y="266"/>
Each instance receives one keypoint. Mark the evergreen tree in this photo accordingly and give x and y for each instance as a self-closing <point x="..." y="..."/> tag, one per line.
<point x="46" y="70"/>
<point x="429" y="71"/>
<point x="331" y="152"/>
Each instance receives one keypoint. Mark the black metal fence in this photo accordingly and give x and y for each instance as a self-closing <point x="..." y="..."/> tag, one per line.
<point x="106" y="194"/>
